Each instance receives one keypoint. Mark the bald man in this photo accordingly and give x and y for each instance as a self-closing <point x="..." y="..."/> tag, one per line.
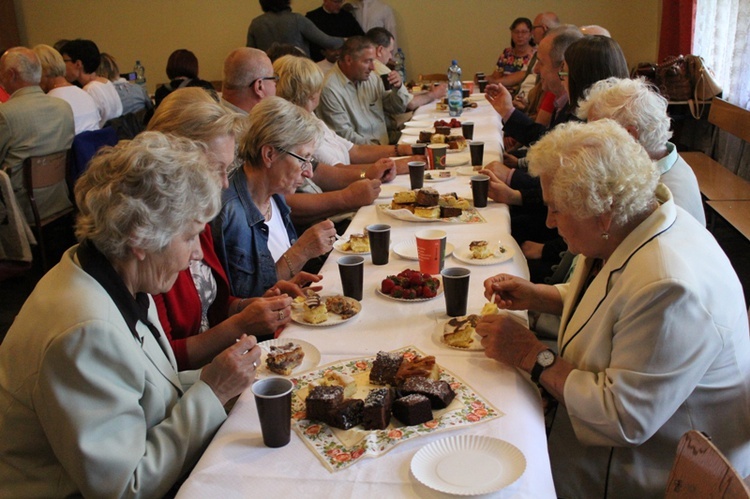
<point x="248" y="79"/>
<point x="32" y="124"/>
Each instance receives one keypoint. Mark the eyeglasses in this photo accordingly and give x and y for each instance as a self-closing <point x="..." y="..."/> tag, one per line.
<point x="67" y="60"/>
<point x="540" y="26"/>
<point x="304" y="163"/>
<point x="562" y="75"/>
<point x="521" y="32"/>
<point x="275" y="78"/>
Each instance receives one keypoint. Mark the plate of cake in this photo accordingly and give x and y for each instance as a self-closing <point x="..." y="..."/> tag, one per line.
<point x="324" y="311"/>
<point x="483" y="253"/>
<point x="428" y="205"/>
<point x="456" y="160"/>
<point x="460" y="332"/>
<point x="286" y="357"/>
<point x="418" y="124"/>
<point x="468" y="464"/>
<point x="438" y="176"/>
<point x="355" y="244"/>
<point x="388" y="190"/>
<point x="408" y="249"/>
<point x="468" y="170"/>
<point x="364" y="407"/>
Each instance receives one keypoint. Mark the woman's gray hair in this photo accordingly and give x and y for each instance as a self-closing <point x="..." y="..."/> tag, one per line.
<point x="299" y="79"/>
<point x="595" y="168"/>
<point x="142" y="193"/>
<point x="52" y="62"/>
<point x="631" y="103"/>
<point x="280" y="124"/>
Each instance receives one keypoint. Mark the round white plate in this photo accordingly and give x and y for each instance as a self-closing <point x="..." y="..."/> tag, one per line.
<point x="467" y="171"/>
<point x="408" y="139"/>
<point x="456" y="151"/>
<point x="310" y="361"/>
<point x="418" y="124"/>
<point x="388" y="190"/>
<point x="408" y="249"/>
<point x="435" y="174"/>
<point x="333" y="319"/>
<point x="464" y="255"/>
<point x="338" y="247"/>
<point x="415" y="131"/>
<point x="454" y="160"/>
<point x="468" y="465"/>
<point x="476" y="343"/>
<point x="439" y="292"/>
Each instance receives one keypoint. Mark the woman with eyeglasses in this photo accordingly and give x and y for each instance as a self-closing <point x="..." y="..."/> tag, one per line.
<point x="514" y="61"/>
<point x="253" y="235"/>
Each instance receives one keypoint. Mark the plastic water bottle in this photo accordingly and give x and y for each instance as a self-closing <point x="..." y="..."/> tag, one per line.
<point x="140" y="73"/>
<point x="400" y="60"/>
<point x="455" y="90"/>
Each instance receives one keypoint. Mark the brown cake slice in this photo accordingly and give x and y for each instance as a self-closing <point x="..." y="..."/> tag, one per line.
<point x="377" y="410"/>
<point x="322" y="400"/>
<point x="450" y="212"/>
<point x="282" y="359"/>
<point x="439" y="392"/>
<point x="424" y="367"/>
<point x="384" y="368"/>
<point x="346" y="414"/>
<point x="427" y="197"/>
<point x="412" y="409"/>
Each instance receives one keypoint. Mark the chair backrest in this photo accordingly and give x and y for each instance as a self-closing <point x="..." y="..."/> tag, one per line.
<point x="434" y="77"/>
<point x="730" y="118"/>
<point x="128" y="125"/>
<point x="217" y="84"/>
<point x="85" y="145"/>
<point x="701" y="470"/>
<point x="44" y="171"/>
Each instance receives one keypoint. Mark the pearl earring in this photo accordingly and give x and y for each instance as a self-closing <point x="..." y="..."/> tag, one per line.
<point x="605" y="235"/>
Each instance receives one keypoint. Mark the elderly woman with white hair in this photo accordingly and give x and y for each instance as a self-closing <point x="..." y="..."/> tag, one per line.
<point x="654" y="334"/>
<point x="640" y="108"/>
<point x="91" y="403"/>
<point x="253" y="235"/>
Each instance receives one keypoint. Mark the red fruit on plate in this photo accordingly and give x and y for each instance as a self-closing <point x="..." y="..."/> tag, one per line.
<point x="387" y="285"/>
<point x="415" y="280"/>
<point x="397" y="292"/>
<point x="428" y="292"/>
<point x="410" y="294"/>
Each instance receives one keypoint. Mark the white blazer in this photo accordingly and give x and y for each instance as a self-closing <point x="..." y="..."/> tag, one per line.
<point x="85" y="408"/>
<point x="661" y="345"/>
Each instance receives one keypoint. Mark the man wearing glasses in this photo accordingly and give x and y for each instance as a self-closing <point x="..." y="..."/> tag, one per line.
<point x="248" y="79"/>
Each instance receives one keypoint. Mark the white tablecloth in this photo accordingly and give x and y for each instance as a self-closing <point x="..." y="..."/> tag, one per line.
<point x="236" y="464"/>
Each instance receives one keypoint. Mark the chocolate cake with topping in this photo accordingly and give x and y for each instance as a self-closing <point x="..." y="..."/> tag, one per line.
<point x="440" y="393"/>
<point x="347" y="414"/>
<point x="384" y="368"/>
<point x="377" y="411"/>
<point x="412" y="409"/>
<point x="323" y="399"/>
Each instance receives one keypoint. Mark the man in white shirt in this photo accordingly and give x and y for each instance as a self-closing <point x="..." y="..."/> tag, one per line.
<point x="372" y="14"/>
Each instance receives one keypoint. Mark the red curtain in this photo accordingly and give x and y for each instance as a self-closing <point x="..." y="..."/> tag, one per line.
<point x="677" y="25"/>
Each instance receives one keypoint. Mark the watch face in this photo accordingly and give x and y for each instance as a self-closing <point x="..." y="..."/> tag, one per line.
<point x="545" y="358"/>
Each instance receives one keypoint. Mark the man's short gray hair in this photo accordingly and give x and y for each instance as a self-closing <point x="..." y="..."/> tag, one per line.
<point x="142" y="193"/>
<point x="278" y="123"/>
<point x="26" y="64"/>
<point x="595" y="168"/>
<point x="631" y="103"/>
<point x="562" y="37"/>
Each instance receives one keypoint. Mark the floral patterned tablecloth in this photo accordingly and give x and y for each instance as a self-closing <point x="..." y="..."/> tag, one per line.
<point x="339" y="449"/>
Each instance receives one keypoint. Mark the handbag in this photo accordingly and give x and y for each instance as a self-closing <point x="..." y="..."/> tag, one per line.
<point x="673" y="79"/>
<point x="705" y="86"/>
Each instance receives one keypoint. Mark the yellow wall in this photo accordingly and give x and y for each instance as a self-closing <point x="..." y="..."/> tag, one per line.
<point x="431" y="32"/>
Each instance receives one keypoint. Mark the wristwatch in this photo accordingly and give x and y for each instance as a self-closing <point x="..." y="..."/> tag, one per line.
<point x="544" y="359"/>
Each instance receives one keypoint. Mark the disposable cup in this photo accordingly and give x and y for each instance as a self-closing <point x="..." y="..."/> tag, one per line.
<point x="476" y="151"/>
<point x="456" y="290"/>
<point x="386" y="83"/>
<point x="273" y="398"/>
<point x="351" y="270"/>
<point x="431" y="250"/>
<point x="467" y="129"/>
<point x="419" y="149"/>
<point x="480" y="186"/>
<point x="436" y="156"/>
<point x="380" y="243"/>
<point x="416" y="174"/>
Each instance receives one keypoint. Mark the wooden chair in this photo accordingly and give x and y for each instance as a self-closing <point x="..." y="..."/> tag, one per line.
<point x="39" y="172"/>
<point x="701" y="470"/>
<point x="433" y="77"/>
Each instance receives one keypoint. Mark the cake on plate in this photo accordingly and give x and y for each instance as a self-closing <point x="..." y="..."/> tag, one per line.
<point x="412" y="409"/>
<point x="283" y="359"/>
<point x="480" y="250"/>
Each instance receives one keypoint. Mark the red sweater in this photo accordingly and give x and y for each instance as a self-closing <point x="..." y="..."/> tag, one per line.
<point x="180" y="308"/>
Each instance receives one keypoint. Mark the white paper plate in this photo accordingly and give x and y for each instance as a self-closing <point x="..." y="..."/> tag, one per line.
<point x="435" y="176"/>
<point x="408" y="139"/>
<point x="415" y="131"/>
<point x="418" y="124"/>
<point x="464" y="255"/>
<point x="311" y="360"/>
<point x="338" y="247"/>
<point x="439" y="292"/>
<point x="467" y="171"/>
<point x="333" y="319"/>
<point x="476" y="341"/>
<point x="408" y="249"/>
<point x="455" y="160"/>
<point x="388" y="190"/>
<point x="456" y="151"/>
<point x="468" y="465"/>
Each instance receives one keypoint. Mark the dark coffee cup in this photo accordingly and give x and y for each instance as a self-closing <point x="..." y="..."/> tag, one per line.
<point x="386" y="83"/>
<point x="476" y="150"/>
<point x="482" y="85"/>
<point x="480" y="187"/>
<point x="456" y="290"/>
<point x="416" y="174"/>
<point x="380" y="243"/>
<point x="351" y="270"/>
<point x="273" y="398"/>
<point x="419" y="149"/>
<point x="467" y="129"/>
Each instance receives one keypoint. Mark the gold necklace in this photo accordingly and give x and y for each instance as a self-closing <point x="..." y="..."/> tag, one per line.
<point x="268" y="211"/>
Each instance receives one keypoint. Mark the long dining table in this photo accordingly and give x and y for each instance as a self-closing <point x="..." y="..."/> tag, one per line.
<point x="237" y="464"/>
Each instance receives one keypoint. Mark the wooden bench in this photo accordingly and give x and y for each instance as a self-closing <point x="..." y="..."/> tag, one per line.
<point x="716" y="182"/>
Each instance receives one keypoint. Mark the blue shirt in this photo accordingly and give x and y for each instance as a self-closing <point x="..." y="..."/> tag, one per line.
<point x="240" y="237"/>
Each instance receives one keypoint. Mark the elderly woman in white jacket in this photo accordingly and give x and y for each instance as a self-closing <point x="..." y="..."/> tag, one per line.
<point x="91" y="403"/>
<point x="653" y="339"/>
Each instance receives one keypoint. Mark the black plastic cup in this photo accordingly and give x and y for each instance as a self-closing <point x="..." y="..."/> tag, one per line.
<point x="465" y="93"/>
<point x="467" y="129"/>
<point x="482" y="85"/>
<point x="380" y="243"/>
<point x="476" y="149"/>
<point x="273" y="398"/>
<point x="480" y="187"/>
<point x="386" y="83"/>
<point x="416" y="174"/>
<point x="419" y="149"/>
<point x="352" y="271"/>
<point x="456" y="290"/>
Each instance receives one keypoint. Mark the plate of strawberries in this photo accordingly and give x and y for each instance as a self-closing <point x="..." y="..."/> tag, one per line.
<point x="410" y="285"/>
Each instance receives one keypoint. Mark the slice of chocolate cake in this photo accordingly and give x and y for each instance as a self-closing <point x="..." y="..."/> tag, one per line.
<point x="412" y="409"/>
<point x="384" y="368"/>
<point x="377" y="411"/>
<point x="347" y="414"/>
<point x="440" y="392"/>
<point x="323" y="399"/>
